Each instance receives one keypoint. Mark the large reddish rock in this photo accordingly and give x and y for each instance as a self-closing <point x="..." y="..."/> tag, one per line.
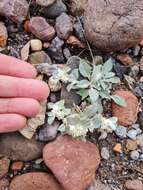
<point x="72" y="161"/>
<point x="113" y="25"/>
<point x="34" y="181"/>
<point x="15" y="10"/>
<point x="41" y="29"/>
<point x="126" y="115"/>
<point x="134" y="185"/>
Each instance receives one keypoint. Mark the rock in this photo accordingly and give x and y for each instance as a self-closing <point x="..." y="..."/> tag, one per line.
<point x="79" y="31"/>
<point x="121" y="132"/>
<point x="134" y="70"/>
<point x="39" y="57"/>
<point x="67" y="53"/>
<point x="15" y="10"/>
<point x="55" y="85"/>
<point x="140" y="140"/>
<point x="26" y="26"/>
<point x="131" y="145"/>
<point x="122" y="28"/>
<point x="118" y="148"/>
<point x="48" y="132"/>
<point x="17" y="166"/>
<point x="77" y="6"/>
<point x="72" y="161"/>
<point x="3" y="35"/>
<point x="125" y="59"/>
<point x="24" y="54"/>
<point x="36" y="45"/>
<point x="141" y="119"/>
<point x="64" y="26"/>
<point x="97" y="60"/>
<point x="4" y="166"/>
<point x="120" y="70"/>
<point x="16" y="147"/>
<point x="105" y="153"/>
<point x="34" y="181"/>
<point x="138" y="90"/>
<point x="41" y="29"/>
<point x="141" y="65"/>
<point x="126" y="115"/>
<point x="45" y="3"/>
<point x="55" y="10"/>
<point x="98" y="185"/>
<point x="134" y="184"/>
<point x="55" y="50"/>
<point x="132" y="134"/>
<point x="134" y="155"/>
<point x="4" y="184"/>
<point x="74" y="42"/>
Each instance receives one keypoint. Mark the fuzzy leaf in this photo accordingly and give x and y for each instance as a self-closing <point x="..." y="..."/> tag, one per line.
<point x="83" y="93"/>
<point x="119" y="100"/>
<point x="93" y="94"/>
<point x="96" y="74"/>
<point x="85" y="68"/>
<point x="107" y="67"/>
<point x="83" y="84"/>
<point x="51" y="120"/>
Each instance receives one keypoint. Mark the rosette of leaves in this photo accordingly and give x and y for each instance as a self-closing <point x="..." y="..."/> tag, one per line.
<point x="94" y="82"/>
<point x="77" y="123"/>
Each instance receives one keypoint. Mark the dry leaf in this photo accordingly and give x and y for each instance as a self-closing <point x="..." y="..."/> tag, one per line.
<point x="34" y="123"/>
<point x="25" y="52"/>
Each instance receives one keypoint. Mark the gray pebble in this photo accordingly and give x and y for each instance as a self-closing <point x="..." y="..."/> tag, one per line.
<point x="132" y="134"/>
<point x="141" y="157"/>
<point x="134" y="155"/>
<point x="121" y="132"/>
<point x="105" y="153"/>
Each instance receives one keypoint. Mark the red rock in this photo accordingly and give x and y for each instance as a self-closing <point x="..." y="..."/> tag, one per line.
<point x="45" y="3"/>
<point x="34" y="181"/>
<point x="26" y="26"/>
<point x="4" y="166"/>
<point x="15" y="10"/>
<point x="3" y="35"/>
<point x="41" y="29"/>
<point x="134" y="185"/>
<point x="17" y="166"/>
<point x="64" y="26"/>
<point x="73" y="41"/>
<point x="72" y="161"/>
<point x="126" y="115"/>
<point x="125" y="59"/>
<point x="4" y="184"/>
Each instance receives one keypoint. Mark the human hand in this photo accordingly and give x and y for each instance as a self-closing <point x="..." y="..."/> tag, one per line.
<point x="20" y="94"/>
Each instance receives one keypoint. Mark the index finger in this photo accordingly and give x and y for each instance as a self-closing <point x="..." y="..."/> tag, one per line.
<point x="15" y="67"/>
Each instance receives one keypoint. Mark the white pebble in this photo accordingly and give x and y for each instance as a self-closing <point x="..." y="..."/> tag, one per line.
<point x="121" y="132"/>
<point x="105" y="153"/>
<point x="36" y="45"/>
<point x="132" y="134"/>
<point x="134" y="155"/>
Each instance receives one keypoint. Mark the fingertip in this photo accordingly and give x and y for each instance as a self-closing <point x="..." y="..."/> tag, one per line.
<point x="45" y="91"/>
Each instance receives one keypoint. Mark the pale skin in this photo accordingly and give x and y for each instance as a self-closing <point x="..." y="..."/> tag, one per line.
<point x="20" y="93"/>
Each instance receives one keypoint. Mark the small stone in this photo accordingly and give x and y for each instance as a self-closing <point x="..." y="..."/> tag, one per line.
<point x="55" y="85"/>
<point x="126" y="115"/>
<point x="121" y="132"/>
<point x="77" y="6"/>
<point x="79" y="31"/>
<point x="25" y="51"/>
<point x="118" y="148"/>
<point x="98" y="185"/>
<point x="39" y="57"/>
<point x="55" y="50"/>
<point x="66" y="53"/>
<point x="26" y="26"/>
<point x="141" y="65"/>
<point x="4" y="166"/>
<point x="105" y="153"/>
<point x="4" y="184"/>
<point x="134" y="70"/>
<point x="35" y="181"/>
<point x="48" y="132"/>
<point x="134" y="155"/>
<point x="74" y="42"/>
<point x="64" y="26"/>
<point x="3" y="35"/>
<point x="131" y="145"/>
<point x="17" y="166"/>
<point x="16" y="147"/>
<point x="55" y="10"/>
<point x="41" y="29"/>
<point x="125" y="59"/>
<point x="134" y="185"/>
<point x="140" y="140"/>
<point x="97" y="60"/>
<point x="141" y="119"/>
<point x="36" y="45"/>
<point x="72" y="161"/>
<point x="136" y="50"/>
<point x="132" y="134"/>
<point x="141" y="157"/>
<point x="120" y="70"/>
<point x="15" y="10"/>
<point x="45" y="3"/>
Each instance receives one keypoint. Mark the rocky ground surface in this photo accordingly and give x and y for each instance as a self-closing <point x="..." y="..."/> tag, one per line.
<point x="51" y="31"/>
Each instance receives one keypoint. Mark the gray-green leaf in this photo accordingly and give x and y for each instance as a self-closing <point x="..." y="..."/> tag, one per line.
<point x="85" y="68"/>
<point x="119" y="100"/>
<point x="93" y="94"/>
